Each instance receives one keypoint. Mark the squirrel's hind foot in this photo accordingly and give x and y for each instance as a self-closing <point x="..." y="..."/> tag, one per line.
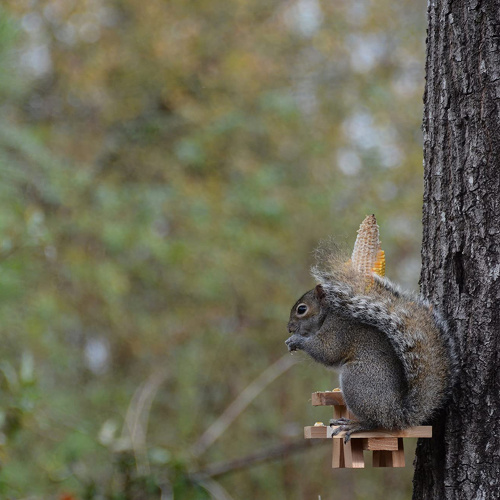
<point x="341" y="421"/>
<point x="349" y="426"/>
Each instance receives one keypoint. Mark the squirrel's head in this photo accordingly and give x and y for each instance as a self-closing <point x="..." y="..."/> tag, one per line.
<point x="306" y="318"/>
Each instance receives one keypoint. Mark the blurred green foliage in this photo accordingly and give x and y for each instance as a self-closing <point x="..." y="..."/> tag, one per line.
<point x="167" y="169"/>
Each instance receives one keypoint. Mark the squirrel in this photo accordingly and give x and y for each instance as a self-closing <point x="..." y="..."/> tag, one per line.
<point x="394" y="352"/>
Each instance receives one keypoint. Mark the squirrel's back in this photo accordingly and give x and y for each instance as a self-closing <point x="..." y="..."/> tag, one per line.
<point x="417" y="333"/>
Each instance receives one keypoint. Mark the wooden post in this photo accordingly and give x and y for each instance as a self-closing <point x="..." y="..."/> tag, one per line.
<point x="353" y="453"/>
<point x="348" y="455"/>
<point x="382" y="458"/>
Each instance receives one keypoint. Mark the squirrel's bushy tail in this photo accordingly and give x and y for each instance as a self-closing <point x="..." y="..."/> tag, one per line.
<point x="418" y="334"/>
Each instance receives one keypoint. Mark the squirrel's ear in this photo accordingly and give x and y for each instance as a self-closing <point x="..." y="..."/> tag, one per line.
<point x="320" y="293"/>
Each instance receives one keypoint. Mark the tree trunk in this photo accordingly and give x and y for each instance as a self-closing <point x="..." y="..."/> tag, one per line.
<point x="461" y="243"/>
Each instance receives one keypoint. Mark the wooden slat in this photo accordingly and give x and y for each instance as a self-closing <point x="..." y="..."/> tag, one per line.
<point x="316" y="432"/>
<point x="338" y="448"/>
<point x="327" y="398"/>
<point x="321" y="431"/>
<point x="390" y="458"/>
<point x="338" y="461"/>
<point x="398" y="457"/>
<point x="339" y="411"/>
<point x="353" y="454"/>
<point x="387" y="444"/>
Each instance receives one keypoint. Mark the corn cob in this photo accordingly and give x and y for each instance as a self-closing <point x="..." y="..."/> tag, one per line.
<point x="367" y="255"/>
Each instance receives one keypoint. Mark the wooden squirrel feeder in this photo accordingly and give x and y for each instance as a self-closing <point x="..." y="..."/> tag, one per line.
<point x="387" y="445"/>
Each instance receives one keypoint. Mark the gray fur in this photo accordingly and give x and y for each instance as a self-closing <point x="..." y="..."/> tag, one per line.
<point x="394" y="352"/>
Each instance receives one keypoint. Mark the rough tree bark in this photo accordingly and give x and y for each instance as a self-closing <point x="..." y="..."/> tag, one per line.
<point x="461" y="242"/>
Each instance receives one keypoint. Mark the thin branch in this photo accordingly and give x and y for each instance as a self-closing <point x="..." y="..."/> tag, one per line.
<point x="137" y="417"/>
<point x="241" y="402"/>
<point x="215" y="489"/>
<point x="258" y="457"/>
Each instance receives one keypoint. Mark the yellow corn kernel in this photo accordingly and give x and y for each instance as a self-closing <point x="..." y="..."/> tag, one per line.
<point x="318" y="424"/>
<point x="379" y="267"/>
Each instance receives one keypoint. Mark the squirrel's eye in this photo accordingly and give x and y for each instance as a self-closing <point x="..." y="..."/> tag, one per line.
<point x="302" y="309"/>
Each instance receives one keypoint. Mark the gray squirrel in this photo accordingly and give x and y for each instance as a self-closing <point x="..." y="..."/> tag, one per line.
<point x="395" y="356"/>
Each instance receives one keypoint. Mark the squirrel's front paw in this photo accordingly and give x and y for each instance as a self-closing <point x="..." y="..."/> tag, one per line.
<point x="294" y="343"/>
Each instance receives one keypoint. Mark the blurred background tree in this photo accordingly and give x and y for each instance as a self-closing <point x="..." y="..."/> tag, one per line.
<point x="167" y="169"/>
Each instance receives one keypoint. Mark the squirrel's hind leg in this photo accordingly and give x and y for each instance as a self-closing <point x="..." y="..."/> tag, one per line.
<point x="349" y="426"/>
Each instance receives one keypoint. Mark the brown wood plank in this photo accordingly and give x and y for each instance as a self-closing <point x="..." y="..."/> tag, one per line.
<point x="340" y="411"/>
<point x="387" y="444"/>
<point x="390" y="458"/>
<point x="421" y="431"/>
<point x="315" y="432"/>
<point x="353" y="454"/>
<point x="398" y="457"/>
<point x="338" y="461"/>
<point x="329" y="398"/>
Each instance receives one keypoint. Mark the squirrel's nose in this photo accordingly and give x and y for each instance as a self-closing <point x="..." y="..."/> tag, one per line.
<point x="291" y="328"/>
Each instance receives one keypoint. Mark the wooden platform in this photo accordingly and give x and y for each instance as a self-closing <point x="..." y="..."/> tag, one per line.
<point x="325" y="431"/>
<point x="387" y="445"/>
